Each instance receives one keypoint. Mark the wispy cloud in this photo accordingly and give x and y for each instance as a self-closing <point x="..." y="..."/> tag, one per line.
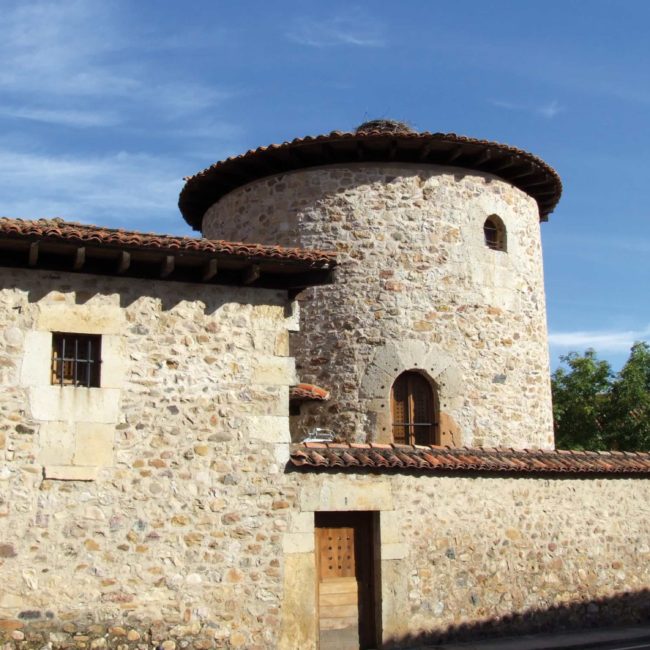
<point x="340" y="30"/>
<point x="602" y="341"/>
<point x="63" y="116"/>
<point x="119" y="189"/>
<point x="549" y="110"/>
<point x="65" y="60"/>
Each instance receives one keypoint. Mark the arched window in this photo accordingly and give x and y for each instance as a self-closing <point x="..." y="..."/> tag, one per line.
<point x="414" y="410"/>
<point x="494" y="231"/>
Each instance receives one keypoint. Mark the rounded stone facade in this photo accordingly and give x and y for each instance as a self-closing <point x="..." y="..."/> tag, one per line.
<point x="417" y="288"/>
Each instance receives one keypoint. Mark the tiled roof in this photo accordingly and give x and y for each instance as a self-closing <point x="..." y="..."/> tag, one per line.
<point x="464" y="459"/>
<point x="308" y="391"/>
<point x="524" y="170"/>
<point x="67" y="231"/>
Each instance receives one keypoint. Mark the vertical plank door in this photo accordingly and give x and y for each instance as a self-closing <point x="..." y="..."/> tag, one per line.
<point x="337" y="589"/>
<point x="345" y="553"/>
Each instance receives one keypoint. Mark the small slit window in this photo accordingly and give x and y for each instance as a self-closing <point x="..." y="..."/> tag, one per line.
<point x="414" y="410"/>
<point x="494" y="231"/>
<point x="76" y="359"/>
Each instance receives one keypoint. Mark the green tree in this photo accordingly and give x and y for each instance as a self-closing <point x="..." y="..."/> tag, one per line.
<point x="629" y="405"/>
<point x="581" y="402"/>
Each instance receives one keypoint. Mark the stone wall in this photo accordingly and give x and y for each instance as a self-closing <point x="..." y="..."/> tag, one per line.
<point x="152" y="508"/>
<point x="416" y="288"/>
<point x="189" y="532"/>
<point x="474" y="556"/>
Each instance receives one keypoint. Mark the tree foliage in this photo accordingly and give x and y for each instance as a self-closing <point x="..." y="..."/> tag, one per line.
<point x="596" y="409"/>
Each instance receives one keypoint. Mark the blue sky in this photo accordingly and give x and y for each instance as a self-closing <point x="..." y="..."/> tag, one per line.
<point x="106" y="104"/>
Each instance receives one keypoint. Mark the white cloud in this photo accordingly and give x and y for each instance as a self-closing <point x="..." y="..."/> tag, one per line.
<point x="122" y="189"/>
<point x="549" y="110"/>
<point x="601" y="341"/>
<point x="63" y="116"/>
<point x="63" y="61"/>
<point x="352" y="30"/>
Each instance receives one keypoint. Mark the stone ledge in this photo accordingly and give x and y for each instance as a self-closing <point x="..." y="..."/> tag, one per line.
<point x="70" y="473"/>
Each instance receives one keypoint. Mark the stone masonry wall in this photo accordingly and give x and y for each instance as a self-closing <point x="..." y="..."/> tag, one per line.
<point x="474" y="555"/>
<point x="416" y="287"/>
<point x="169" y="530"/>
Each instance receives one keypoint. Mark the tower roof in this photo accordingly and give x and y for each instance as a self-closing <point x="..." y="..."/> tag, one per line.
<point x="375" y="141"/>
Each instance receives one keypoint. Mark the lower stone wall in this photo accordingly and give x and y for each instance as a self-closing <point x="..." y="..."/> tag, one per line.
<point x="478" y="555"/>
<point x="461" y="556"/>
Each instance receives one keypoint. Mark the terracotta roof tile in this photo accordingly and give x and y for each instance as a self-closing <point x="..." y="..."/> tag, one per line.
<point x="67" y="231"/>
<point x="307" y="392"/>
<point x="522" y="169"/>
<point x="464" y="459"/>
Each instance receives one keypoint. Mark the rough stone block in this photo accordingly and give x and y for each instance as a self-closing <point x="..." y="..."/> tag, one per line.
<point x="113" y="370"/>
<point x="56" y="443"/>
<point x="275" y="371"/>
<point x="281" y="347"/>
<point x="298" y="626"/>
<point x="292" y="320"/>
<point x="37" y="360"/>
<point x="60" y="403"/>
<point x="94" y="444"/>
<point x="269" y="428"/>
<point x="390" y="525"/>
<point x="82" y="319"/>
<point x="298" y="542"/>
<point x="338" y="494"/>
<point x="394" y="551"/>
<point x="268" y="317"/>
<point x="302" y="522"/>
<point x="71" y="473"/>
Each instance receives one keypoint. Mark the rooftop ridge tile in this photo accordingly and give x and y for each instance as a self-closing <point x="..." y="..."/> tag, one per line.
<point x="431" y="458"/>
<point x="77" y="232"/>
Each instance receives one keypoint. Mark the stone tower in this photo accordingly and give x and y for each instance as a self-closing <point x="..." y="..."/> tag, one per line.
<point x="440" y="274"/>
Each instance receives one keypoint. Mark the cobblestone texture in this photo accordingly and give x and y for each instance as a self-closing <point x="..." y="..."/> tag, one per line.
<point x="413" y="267"/>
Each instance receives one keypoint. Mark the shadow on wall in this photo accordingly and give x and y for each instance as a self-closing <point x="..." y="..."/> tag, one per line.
<point x="626" y="608"/>
<point x="169" y="294"/>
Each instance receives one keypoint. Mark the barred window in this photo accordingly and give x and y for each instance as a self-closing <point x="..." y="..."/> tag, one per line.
<point x="494" y="231"/>
<point x="76" y="359"/>
<point x="414" y="410"/>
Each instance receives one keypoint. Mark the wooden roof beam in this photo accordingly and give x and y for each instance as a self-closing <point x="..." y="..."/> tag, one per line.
<point x="123" y="262"/>
<point x="425" y="151"/>
<point x="546" y="181"/>
<point x="454" y="154"/>
<point x="510" y="162"/>
<point x="79" y="258"/>
<point x="210" y="270"/>
<point x="251" y="274"/>
<point x="483" y="158"/>
<point x="528" y="172"/>
<point x="167" y="266"/>
<point x="32" y="257"/>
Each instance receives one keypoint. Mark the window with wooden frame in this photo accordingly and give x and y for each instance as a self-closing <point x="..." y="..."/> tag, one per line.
<point x="76" y="359"/>
<point x="494" y="231"/>
<point x="414" y="410"/>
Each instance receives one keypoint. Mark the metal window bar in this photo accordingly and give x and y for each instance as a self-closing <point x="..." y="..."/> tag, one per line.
<point x="491" y="235"/>
<point x="76" y="370"/>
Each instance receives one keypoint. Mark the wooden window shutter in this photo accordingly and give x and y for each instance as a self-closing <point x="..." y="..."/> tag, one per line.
<point x="399" y="409"/>
<point x="413" y="410"/>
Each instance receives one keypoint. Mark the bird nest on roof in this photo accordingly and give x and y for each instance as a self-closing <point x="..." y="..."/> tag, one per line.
<point x="384" y="126"/>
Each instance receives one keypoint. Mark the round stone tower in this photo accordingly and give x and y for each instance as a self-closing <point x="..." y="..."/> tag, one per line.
<point x="439" y="278"/>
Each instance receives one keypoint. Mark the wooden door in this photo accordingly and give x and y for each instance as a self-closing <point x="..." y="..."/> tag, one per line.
<point x="346" y="585"/>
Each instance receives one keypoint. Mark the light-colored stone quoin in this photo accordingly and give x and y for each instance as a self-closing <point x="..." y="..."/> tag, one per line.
<point x="417" y="288"/>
